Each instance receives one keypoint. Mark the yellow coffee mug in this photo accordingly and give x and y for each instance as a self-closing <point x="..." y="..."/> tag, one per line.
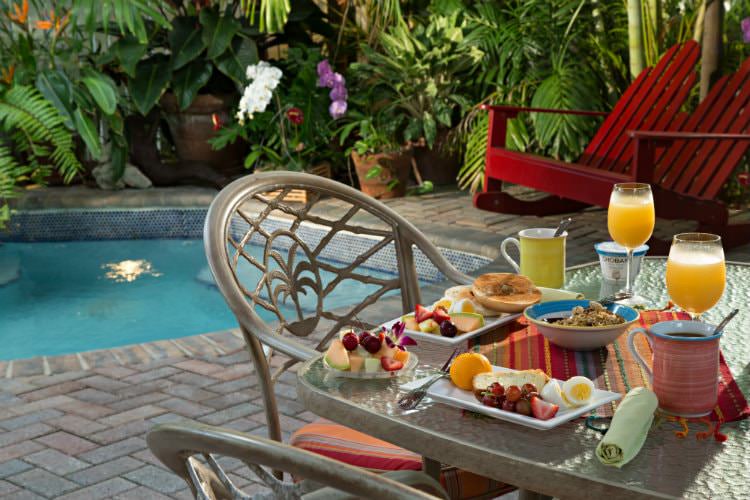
<point x="542" y="256"/>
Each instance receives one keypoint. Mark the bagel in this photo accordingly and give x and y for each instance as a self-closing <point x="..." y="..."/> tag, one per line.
<point x="505" y="292"/>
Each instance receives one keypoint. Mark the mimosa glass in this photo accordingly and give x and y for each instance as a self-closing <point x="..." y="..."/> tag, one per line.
<point x="696" y="273"/>
<point x="630" y="220"/>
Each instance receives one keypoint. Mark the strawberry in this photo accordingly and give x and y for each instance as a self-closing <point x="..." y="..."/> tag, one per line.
<point x="421" y="313"/>
<point x="390" y="364"/>
<point x="542" y="409"/>
<point x="440" y="315"/>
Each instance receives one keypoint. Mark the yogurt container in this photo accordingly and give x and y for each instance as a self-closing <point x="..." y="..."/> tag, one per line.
<point x="614" y="260"/>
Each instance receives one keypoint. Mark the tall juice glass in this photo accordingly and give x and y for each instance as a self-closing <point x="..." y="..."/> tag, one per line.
<point x="696" y="273"/>
<point x="630" y="220"/>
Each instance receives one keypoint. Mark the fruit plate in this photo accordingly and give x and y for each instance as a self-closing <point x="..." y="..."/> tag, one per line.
<point x="443" y="391"/>
<point x="491" y="322"/>
<point x="411" y="363"/>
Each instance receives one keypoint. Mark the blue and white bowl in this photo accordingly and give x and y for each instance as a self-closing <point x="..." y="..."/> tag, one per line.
<point x="579" y="338"/>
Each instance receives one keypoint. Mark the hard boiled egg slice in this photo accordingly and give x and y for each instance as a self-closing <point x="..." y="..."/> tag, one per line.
<point x="462" y="306"/>
<point x="577" y="390"/>
<point x="552" y="394"/>
<point x="445" y="303"/>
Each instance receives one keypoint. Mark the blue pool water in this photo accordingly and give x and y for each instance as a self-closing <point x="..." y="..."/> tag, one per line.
<point x="86" y="295"/>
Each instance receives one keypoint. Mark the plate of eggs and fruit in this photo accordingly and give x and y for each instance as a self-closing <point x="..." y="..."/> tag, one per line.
<point x="466" y="311"/>
<point x="371" y="355"/>
<point x="526" y="397"/>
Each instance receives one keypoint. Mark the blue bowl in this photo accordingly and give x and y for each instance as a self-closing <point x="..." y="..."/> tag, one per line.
<point x="579" y="338"/>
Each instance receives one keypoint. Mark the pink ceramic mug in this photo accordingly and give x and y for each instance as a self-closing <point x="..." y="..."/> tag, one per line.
<point x="685" y="364"/>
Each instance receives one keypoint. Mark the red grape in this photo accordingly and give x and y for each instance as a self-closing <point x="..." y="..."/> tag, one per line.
<point x="497" y="389"/>
<point x="528" y="388"/>
<point x="489" y="400"/>
<point x="523" y="407"/>
<point x="509" y="405"/>
<point x="350" y="341"/>
<point x="513" y="393"/>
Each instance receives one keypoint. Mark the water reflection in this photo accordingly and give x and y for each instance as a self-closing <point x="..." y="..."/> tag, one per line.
<point x="129" y="270"/>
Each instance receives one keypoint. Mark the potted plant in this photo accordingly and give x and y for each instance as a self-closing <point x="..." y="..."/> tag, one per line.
<point x="287" y="114"/>
<point x="420" y="73"/>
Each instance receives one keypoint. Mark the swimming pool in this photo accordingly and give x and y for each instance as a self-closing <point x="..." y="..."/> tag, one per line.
<point x="134" y="276"/>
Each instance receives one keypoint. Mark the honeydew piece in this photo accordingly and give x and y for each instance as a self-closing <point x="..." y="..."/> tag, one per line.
<point x="410" y="322"/>
<point x="429" y="326"/>
<point x="372" y="365"/>
<point x="337" y="356"/>
<point x="356" y="362"/>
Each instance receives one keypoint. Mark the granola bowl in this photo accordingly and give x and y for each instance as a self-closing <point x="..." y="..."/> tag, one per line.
<point x="546" y="318"/>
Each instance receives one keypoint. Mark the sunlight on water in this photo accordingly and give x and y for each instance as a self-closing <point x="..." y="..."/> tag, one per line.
<point x="129" y="270"/>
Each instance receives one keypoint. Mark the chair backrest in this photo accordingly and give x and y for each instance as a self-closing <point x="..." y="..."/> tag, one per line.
<point x="290" y="263"/>
<point x="699" y="168"/>
<point x="192" y="452"/>
<point x="651" y="102"/>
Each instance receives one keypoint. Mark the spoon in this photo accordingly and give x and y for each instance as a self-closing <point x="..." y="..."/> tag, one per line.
<point x="622" y="295"/>
<point x="562" y="227"/>
<point x="726" y="320"/>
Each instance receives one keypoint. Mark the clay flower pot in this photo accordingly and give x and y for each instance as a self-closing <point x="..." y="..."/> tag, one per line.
<point x="191" y="128"/>
<point x="394" y="165"/>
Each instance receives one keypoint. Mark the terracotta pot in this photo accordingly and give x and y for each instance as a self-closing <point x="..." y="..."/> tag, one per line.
<point x="192" y="128"/>
<point x="436" y="164"/>
<point x="394" y="165"/>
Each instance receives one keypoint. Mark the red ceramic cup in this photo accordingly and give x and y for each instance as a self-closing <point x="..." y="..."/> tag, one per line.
<point x="685" y="364"/>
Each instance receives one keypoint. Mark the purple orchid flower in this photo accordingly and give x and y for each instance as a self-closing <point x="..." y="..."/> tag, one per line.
<point x="325" y="74"/>
<point x="745" y="25"/>
<point x="396" y="337"/>
<point x="337" y="109"/>
<point x="338" y="93"/>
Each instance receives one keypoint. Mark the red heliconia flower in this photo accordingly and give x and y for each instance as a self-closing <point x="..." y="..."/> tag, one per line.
<point x="295" y="116"/>
<point x="216" y="121"/>
<point x="744" y="179"/>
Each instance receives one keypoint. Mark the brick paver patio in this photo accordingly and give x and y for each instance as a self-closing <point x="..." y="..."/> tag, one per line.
<point x="80" y="433"/>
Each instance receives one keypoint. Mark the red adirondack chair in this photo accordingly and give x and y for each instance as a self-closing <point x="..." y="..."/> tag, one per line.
<point x="651" y="102"/>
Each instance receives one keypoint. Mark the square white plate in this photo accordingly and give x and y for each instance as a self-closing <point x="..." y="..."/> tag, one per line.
<point x="444" y="391"/>
<point x="491" y="322"/>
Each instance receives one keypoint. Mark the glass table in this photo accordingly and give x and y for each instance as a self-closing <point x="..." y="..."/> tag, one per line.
<point x="558" y="462"/>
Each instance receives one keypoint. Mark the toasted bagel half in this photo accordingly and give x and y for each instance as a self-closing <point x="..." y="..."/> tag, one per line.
<point x="505" y="292"/>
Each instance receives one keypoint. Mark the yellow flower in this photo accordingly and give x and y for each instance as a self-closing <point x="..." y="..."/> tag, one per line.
<point x="20" y="14"/>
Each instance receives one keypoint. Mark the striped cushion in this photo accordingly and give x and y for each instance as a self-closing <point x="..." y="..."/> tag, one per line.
<point x="355" y="448"/>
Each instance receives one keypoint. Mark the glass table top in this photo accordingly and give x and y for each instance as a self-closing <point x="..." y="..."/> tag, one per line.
<point x="560" y="461"/>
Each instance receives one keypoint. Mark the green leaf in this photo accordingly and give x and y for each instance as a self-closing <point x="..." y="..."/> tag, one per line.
<point x="234" y="62"/>
<point x="102" y="89"/>
<point x="128" y="51"/>
<point x="151" y="78"/>
<point x="189" y="80"/>
<point x="430" y="128"/>
<point x="185" y="41"/>
<point x="119" y="156"/>
<point x="374" y="172"/>
<point x="87" y="130"/>
<point x="252" y="158"/>
<point x="57" y="88"/>
<point x="218" y="31"/>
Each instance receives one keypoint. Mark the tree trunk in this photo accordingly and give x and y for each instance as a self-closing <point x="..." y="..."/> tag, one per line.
<point x="635" y="37"/>
<point x="712" y="45"/>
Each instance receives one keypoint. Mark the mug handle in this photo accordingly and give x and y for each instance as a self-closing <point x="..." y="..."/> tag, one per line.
<point x="504" y="252"/>
<point x="634" y="351"/>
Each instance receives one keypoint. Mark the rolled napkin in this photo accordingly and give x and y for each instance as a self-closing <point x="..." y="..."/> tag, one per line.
<point x="550" y="294"/>
<point x="629" y="428"/>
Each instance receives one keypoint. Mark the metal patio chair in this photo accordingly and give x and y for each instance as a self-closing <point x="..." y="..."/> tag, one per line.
<point x="299" y="271"/>
<point x="192" y="452"/>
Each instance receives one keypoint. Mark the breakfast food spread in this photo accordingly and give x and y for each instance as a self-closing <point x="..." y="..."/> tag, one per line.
<point x="526" y="392"/>
<point x="370" y="352"/>
<point x="505" y="292"/>
<point x="593" y="315"/>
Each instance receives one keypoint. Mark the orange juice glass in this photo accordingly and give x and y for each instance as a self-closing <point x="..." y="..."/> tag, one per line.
<point x="696" y="273"/>
<point x="630" y="220"/>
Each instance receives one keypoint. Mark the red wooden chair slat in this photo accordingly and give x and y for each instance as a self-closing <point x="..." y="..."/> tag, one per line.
<point x="652" y="99"/>
<point x="660" y="104"/>
<point x="626" y="102"/>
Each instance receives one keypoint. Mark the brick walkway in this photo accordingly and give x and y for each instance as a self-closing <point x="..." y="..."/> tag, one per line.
<point x="81" y="433"/>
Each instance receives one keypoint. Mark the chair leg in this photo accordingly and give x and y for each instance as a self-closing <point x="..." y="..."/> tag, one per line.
<point x="500" y="201"/>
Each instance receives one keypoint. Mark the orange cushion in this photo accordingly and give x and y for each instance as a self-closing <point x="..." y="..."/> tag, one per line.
<point x="355" y="448"/>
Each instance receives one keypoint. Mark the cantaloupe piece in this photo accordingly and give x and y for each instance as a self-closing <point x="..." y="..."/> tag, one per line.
<point x="402" y="356"/>
<point x="337" y="356"/>
<point x="467" y="322"/>
<point x="356" y="362"/>
<point x="385" y="351"/>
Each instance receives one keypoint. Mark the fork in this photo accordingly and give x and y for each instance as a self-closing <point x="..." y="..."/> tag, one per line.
<point x="411" y="399"/>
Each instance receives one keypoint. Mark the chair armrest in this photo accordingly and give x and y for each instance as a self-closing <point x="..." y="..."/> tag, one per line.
<point x="685" y="136"/>
<point x="518" y="109"/>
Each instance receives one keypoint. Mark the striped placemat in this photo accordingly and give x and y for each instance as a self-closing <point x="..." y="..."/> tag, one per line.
<point x="520" y="346"/>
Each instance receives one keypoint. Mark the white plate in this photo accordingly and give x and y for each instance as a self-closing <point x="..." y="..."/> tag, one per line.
<point x="444" y="391"/>
<point x="411" y="363"/>
<point x="491" y="322"/>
